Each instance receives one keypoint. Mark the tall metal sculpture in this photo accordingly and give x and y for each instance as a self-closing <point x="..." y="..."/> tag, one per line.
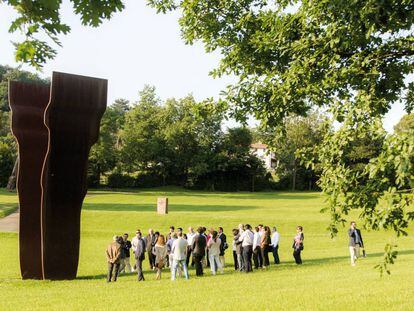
<point x="55" y="126"/>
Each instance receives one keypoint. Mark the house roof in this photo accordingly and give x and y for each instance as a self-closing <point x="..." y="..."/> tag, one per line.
<point x="258" y="146"/>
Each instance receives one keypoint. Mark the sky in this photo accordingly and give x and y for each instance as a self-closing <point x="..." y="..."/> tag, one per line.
<point x="134" y="48"/>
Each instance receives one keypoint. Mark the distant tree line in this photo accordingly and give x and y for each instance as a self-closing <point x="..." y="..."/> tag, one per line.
<point x="177" y="142"/>
<point x="183" y="142"/>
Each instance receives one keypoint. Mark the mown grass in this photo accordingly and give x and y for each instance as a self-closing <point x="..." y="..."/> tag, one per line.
<point x="8" y="203"/>
<point x="325" y="281"/>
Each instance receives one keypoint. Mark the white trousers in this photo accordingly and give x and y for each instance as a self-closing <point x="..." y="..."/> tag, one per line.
<point x="354" y="252"/>
<point x="215" y="264"/>
<point x="223" y="262"/>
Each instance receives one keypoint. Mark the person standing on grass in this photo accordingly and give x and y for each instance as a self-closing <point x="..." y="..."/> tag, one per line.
<point x="239" y="251"/>
<point x="113" y="254"/>
<point x="179" y="250"/>
<point x="199" y="250"/>
<point x="213" y="246"/>
<point x="126" y="246"/>
<point x="160" y="251"/>
<point x="205" y="257"/>
<point x="298" y="244"/>
<point x="235" y="234"/>
<point x="208" y="237"/>
<point x="257" y="253"/>
<point x="261" y="230"/>
<point x="190" y="238"/>
<point x="134" y="244"/>
<point x="150" y="242"/>
<point x="138" y="246"/>
<point x="123" y="255"/>
<point x="247" y="243"/>
<point x="275" y="245"/>
<point x="223" y="246"/>
<point x="355" y="242"/>
<point x="169" y="244"/>
<point x="265" y="246"/>
<point x="169" y="249"/>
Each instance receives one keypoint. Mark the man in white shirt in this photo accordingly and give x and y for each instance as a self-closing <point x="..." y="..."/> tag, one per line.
<point x="261" y="230"/>
<point x="179" y="252"/>
<point x="134" y="245"/>
<point x="190" y="237"/>
<point x="247" y="238"/>
<point x="257" y="252"/>
<point x="275" y="245"/>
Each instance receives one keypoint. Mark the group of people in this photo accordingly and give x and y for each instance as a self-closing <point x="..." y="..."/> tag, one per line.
<point x="199" y="248"/>
<point x="257" y="243"/>
<point x="206" y="248"/>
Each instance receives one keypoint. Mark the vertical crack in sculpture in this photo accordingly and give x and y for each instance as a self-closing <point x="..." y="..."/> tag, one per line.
<point x="70" y="123"/>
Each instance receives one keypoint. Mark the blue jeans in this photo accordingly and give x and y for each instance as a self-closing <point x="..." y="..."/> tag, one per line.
<point x="174" y="268"/>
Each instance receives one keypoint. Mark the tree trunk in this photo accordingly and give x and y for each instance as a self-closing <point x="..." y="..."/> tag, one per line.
<point x="11" y="184"/>
<point x="98" y="176"/>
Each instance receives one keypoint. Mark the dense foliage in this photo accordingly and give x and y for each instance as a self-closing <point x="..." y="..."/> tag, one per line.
<point x="294" y="134"/>
<point x="176" y="142"/>
<point x="353" y="58"/>
<point x="180" y="142"/>
<point x="41" y="19"/>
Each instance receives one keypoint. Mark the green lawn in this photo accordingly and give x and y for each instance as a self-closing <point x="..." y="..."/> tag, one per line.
<point x="325" y="281"/>
<point x="8" y="203"/>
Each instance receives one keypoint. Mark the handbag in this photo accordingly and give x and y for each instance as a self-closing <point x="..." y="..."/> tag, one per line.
<point x="160" y="264"/>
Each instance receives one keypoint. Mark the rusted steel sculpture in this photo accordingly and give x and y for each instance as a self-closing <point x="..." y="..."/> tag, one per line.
<point x="55" y="127"/>
<point x="28" y="103"/>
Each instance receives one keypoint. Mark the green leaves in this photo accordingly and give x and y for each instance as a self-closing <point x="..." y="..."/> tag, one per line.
<point x="94" y="12"/>
<point x="352" y="58"/>
<point x="34" y="52"/>
<point x="390" y="254"/>
<point x="42" y="18"/>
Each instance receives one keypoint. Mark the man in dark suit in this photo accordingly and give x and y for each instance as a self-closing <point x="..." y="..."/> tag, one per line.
<point x="355" y="242"/>
<point x="139" y="251"/>
<point x="199" y="250"/>
<point x="223" y="245"/>
<point x="150" y="240"/>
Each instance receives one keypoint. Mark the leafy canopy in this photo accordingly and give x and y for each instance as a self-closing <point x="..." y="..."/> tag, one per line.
<point x="41" y="18"/>
<point x="353" y="58"/>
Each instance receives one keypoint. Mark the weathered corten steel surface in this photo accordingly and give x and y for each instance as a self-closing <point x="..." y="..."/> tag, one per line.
<point x="70" y="126"/>
<point x="28" y="102"/>
<point x="73" y="116"/>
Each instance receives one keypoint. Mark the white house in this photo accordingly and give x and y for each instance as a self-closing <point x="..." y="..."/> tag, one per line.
<point x="262" y="152"/>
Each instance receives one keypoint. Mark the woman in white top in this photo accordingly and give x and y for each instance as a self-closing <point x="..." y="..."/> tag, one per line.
<point x="213" y="246"/>
<point x="160" y="252"/>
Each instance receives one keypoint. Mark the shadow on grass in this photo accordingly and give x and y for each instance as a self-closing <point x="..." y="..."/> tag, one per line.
<point x="285" y="265"/>
<point x="92" y="277"/>
<point x="275" y="196"/>
<point x="5" y="192"/>
<point x="171" y="207"/>
<point x="8" y="208"/>
<point x="329" y="260"/>
<point x="162" y="191"/>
